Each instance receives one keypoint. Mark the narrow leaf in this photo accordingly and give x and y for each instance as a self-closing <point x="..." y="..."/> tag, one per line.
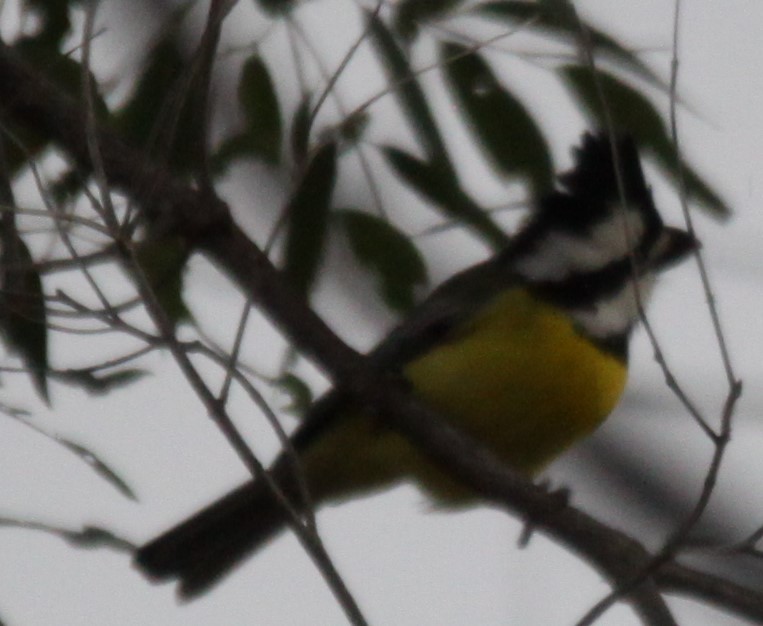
<point x="145" y="107"/>
<point x="159" y="115"/>
<point x="22" y="310"/>
<point x="95" y="537"/>
<point x="299" y="392"/>
<point x="410" y="14"/>
<point x="277" y="8"/>
<point x="54" y="17"/>
<point x="352" y="128"/>
<point x="66" y="73"/>
<point x="409" y="93"/>
<point x="88" y="537"/>
<point x="262" y="136"/>
<point x="66" y="187"/>
<point x="307" y="218"/>
<point x="163" y="262"/>
<point x="500" y="122"/>
<point x="62" y="69"/>
<point x="631" y="112"/>
<point x="440" y="187"/>
<point x="553" y="19"/>
<point x="231" y="149"/>
<point x="388" y="253"/>
<point x="99" y="384"/>
<point x="92" y="460"/>
<point x="98" y="466"/>
<point x="300" y="130"/>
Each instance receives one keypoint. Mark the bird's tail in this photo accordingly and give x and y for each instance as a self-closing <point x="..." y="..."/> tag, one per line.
<point x="205" y="547"/>
<point x="201" y="550"/>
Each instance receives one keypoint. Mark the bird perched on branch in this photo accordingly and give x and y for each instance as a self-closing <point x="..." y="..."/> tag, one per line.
<point x="526" y="353"/>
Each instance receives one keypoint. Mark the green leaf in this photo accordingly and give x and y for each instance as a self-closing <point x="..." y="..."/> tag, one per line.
<point x="408" y="92"/>
<point x="138" y="117"/>
<point x="88" y="537"/>
<point x="98" y="466"/>
<point x="66" y="187"/>
<point x="441" y="188"/>
<point x="63" y="71"/>
<point x="260" y="103"/>
<point x="555" y="19"/>
<point x="300" y="129"/>
<point x="352" y="127"/>
<point x="388" y="253"/>
<point x="277" y="8"/>
<point x="426" y="176"/>
<point x="22" y="310"/>
<point x="299" y="392"/>
<point x="96" y="537"/>
<point x="100" y="383"/>
<point x="86" y="455"/>
<point x="431" y="182"/>
<point x="307" y="218"/>
<point x="631" y="112"/>
<point x="500" y="122"/>
<point x="55" y="22"/>
<point x="159" y="115"/>
<point x="28" y="144"/>
<point x="410" y="14"/>
<point x="231" y="149"/>
<point x="262" y="136"/>
<point x="163" y="262"/>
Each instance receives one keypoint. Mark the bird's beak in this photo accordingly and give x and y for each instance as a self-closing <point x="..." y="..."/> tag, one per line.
<point x="673" y="246"/>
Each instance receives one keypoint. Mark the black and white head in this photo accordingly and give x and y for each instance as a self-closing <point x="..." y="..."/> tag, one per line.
<point x="585" y="251"/>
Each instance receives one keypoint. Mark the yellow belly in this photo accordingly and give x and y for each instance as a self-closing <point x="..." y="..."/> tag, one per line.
<point x="518" y="377"/>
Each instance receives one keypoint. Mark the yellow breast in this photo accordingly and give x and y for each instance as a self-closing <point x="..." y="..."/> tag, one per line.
<point x="518" y="377"/>
<point x="521" y="379"/>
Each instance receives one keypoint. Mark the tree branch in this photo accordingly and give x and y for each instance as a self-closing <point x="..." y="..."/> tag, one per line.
<point x="30" y="99"/>
<point x="746" y="602"/>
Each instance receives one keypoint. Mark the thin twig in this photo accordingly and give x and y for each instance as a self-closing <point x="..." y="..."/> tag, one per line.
<point x="623" y="587"/>
<point x="34" y="100"/>
<point x="306" y="501"/>
<point x="216" y="410"/>
<point x="397" y="84"/>
<point x="720" y="439"/>
<point x="342" y="65"/>
<point x="201" y="89"/>
<point x="235" y="350"/>
<point x="72" y="219"/>
<point x="683" y="196"/>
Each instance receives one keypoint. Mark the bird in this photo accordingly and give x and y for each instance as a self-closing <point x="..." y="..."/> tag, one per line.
<point x="526" y="352"/>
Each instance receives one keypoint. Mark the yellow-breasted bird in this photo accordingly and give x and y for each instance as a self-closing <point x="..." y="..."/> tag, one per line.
<point x="526" y="352"/>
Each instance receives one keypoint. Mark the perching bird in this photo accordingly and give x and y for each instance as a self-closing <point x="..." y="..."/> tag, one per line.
<point x="526" y="352"/>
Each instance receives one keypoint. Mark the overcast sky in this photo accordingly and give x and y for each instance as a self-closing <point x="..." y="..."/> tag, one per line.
<point x="406" y="564"/>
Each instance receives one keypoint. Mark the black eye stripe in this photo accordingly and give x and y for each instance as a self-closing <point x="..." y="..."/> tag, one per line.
<point x="585" y="289"/>
<point x="590" y="196"/>
<point x="572" y="254"/>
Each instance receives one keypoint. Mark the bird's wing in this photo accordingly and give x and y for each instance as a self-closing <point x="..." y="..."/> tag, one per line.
<point x="433" y="322"/>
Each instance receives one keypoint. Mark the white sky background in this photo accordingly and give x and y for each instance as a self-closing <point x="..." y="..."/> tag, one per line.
<point x="407" y="565"/>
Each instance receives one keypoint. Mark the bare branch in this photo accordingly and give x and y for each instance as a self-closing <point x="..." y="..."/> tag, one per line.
<point x="205" y="222"/>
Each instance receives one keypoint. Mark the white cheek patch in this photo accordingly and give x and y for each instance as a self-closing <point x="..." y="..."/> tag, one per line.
<point x="559" y="255"/>
<point x="615" y="315"/>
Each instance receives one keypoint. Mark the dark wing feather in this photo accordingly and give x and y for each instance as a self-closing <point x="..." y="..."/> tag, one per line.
<point x="205" y="547"/>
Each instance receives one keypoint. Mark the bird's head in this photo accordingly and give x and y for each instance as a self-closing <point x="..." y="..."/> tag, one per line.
<point x="595" y="246"/>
